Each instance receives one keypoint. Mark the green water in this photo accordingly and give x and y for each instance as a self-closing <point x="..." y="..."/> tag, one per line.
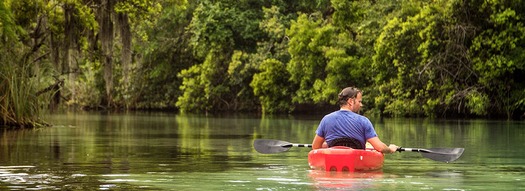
<point x="159" y="151"/>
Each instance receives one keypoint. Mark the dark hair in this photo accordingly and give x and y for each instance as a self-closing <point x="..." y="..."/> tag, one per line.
<point x="347" y="93"/>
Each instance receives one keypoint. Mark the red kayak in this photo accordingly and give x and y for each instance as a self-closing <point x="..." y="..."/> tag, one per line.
<point x="346" y="159"/>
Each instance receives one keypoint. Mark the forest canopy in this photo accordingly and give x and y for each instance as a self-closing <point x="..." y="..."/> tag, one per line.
<point x="412" y="58"/>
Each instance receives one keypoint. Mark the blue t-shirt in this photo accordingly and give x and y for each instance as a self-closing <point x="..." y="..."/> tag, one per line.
<point x="344" y="123"/>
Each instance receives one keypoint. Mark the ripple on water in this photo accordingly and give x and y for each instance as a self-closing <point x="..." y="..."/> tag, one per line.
<point x="20" y="178"/>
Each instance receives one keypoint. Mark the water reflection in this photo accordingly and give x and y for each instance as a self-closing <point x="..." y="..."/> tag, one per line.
<point x="446" y="174"/>
<point x="22" y="178"/>
<point x="184" y="152"/>
<point x="324" y="180"/>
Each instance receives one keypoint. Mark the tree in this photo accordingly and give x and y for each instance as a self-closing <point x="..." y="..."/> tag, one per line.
<point x="307" y="63"/>
<point x="20" y="68"/>
<point x="497" y="54"/>
<point x="271" y="87"/>
<point x="165" y="54"/>
<point x="217" y="30"/>
<point x="400" y="63"/>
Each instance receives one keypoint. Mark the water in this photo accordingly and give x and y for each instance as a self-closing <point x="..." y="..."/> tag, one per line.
<point x="159" y="151"/>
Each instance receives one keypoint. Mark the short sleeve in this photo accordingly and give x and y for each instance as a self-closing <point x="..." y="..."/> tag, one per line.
<point x="321" y="128"/>
<point x="370" y="132"/>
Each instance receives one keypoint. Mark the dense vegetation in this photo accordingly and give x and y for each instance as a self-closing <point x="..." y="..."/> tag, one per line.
<point x="433" y="58"/>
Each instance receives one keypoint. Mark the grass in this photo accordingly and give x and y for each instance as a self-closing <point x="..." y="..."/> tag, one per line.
<point x="19" y="105"/>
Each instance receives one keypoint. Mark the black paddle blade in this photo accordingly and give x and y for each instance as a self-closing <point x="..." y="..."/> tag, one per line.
<point x="442" y="154"/>
<point x="268" y="146"/>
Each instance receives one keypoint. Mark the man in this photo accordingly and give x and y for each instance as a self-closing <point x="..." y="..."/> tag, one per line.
<point x="347" y="128"/>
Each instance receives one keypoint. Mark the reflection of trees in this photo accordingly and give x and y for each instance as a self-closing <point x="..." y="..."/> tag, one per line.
<point x="423" y="132"/>
<point x="486" y="140"/>
<point x="215" y="140"/>
<point x="8" y="140"/>
<point x="136" y="143"/>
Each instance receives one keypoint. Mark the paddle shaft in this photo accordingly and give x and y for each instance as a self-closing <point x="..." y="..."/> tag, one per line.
<point x="269" y="146"/>
<point x="297" y="145"/>
<point x="414" y="150"/>
<point x="437" y="154"/>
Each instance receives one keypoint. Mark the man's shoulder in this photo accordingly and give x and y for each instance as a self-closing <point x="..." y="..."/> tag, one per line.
<point x="334" y="113"/>
<point x="364" y="120"/>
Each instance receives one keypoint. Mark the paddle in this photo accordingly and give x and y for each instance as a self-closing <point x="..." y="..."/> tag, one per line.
<point x="437" y="154"/>
<point x="269" y="146"/>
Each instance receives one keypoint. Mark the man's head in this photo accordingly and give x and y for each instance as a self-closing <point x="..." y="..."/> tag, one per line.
<point x="351" y="98"/>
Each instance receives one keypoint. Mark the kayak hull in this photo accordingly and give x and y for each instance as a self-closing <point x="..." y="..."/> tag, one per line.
<point x="345" y="159"/>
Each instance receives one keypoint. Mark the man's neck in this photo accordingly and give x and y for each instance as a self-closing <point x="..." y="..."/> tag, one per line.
<point x="346" y="108"/>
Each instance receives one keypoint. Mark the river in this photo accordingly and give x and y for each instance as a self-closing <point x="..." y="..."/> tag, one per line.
<point x="168" y="151"/>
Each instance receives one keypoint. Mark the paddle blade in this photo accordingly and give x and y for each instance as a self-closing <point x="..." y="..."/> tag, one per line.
<point x="268" y="146"/>
<point x="443" y="154"/>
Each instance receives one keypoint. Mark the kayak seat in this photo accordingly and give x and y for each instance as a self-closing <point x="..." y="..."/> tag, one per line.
<point x="347" y="142"/>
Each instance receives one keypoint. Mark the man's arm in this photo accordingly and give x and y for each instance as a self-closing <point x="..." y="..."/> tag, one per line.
<point x="381" y="147"/>
<point x="318" y="142"/>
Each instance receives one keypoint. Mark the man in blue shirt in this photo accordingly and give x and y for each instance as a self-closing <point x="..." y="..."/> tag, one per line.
<point x="347" y="128"/>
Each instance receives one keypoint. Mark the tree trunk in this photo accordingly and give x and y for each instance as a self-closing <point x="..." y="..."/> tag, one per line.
<point x="125" y="35"/>
<point x="68" y="35"/>
<point x="106" y="39"/>
<point x="70" y="48"/>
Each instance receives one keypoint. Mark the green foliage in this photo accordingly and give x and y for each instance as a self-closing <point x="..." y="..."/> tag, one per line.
<point x="220" y="26"/>
<point x="339" y="69"/>
<point x="497" y="53"/>
<point x="301" y="6"/>
<point x="218" y="30"/>
<point x="22" y="78"/>
<point x="425" y="59"/>
<point x="194" y="98"/>
<point x="272" y="88"/>
<point x="144" y="13"/>
<point x="403" y="107"/>
<point x="412" y="57"/>
<point x="8" y="27"/>
<point x="165" y="54"/>
<point x="269" y="85"/>
<point x="275" y="44"/>
<point x="517" y="100"/>
<point x="396" y="61"/>
<point x="478" y="103"/>
<point x="347" y="12"/>
<point x="88" y="88"/>
<point x="19" y="105"/>
<point x="273" y="23"/>
<point x="240" y="73"/>
<point x="307" y="39"/>
<point x="83" y="14"/>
